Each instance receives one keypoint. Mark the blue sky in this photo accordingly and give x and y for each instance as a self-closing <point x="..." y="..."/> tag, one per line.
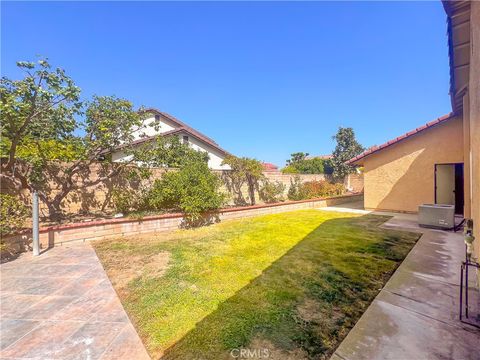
<point x="264" y="79"/>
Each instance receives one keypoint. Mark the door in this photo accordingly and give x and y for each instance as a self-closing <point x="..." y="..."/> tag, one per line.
<point x="449" y="185"/>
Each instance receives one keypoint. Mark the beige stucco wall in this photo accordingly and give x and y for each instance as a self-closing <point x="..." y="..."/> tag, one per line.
<point x="474" y="100"/>
<point x="401" y="177"/>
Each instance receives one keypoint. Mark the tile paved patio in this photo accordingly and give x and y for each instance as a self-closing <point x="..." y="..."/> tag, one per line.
<point x="61" y="305"/>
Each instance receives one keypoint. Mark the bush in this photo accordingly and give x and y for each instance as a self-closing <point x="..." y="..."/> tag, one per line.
<point x="124" y="200"/>
<point x="13" y="214"/>
<point x="313" y="189"/>
<point x="321" y="188"/>
<point x="193" y="190"/>
<point x="290" y="169"/>
<point x="272" y="192"/>
<point x="309" y="166"/>
<point x="294" y="190"/>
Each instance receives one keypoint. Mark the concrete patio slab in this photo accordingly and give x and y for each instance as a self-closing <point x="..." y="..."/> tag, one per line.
<point x="61" y="305"/>
<point x="415" y="315"/>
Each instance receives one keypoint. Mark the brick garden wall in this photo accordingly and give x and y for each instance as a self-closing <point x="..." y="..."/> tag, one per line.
<point x="112" y="228"/>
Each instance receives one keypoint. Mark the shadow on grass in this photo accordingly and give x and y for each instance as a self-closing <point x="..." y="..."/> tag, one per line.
<point x="305" y="302"/>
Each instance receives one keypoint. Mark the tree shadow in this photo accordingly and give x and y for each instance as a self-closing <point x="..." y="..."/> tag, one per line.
<point x="306" y="301"/>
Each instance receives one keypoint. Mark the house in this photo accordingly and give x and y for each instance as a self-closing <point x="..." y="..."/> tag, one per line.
<point x="167" y="125"/>
<point x="402" y="173"/>
<point x="438" y="162"/>
<point x="269" y="167"/>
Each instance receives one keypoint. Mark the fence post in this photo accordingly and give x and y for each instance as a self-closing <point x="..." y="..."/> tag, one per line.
<point x="35" y="226"/>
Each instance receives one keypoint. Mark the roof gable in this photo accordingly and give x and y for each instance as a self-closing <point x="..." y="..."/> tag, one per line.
<point x="375" y="149"/>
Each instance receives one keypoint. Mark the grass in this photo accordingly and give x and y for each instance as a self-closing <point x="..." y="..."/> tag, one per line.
<point x="293" y="283"/>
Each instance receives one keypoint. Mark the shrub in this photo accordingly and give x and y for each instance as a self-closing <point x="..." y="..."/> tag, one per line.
<point x="321" y="188"/>
<point x="290" y="169"/>
<point x="124" y="200"/>
<point x="294" y="190"/>
<point x="13" y="214"/>
<point x="313" y="189"/>
<point x="272" y="192"/>
<point x="193" y="190"/>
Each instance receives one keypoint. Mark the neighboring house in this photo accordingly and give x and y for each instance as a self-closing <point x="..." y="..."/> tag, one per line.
<point x="440" y="161"/>
<point x="167" y="125"/>
<point x="269" y="167"/>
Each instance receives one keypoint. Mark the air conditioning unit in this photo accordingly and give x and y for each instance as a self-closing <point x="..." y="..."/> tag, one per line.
<point x="437" y="216"/>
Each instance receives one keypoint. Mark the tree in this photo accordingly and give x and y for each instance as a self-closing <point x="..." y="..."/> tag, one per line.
<point x="296" y="157"/>
<point x="193" y="189"/>
<point x="346" y="148"/>
<point x="41" y="116"/>
<point x="168" y="152"/>
<point x="244" y="170"/>
<point x="299" y="164"/>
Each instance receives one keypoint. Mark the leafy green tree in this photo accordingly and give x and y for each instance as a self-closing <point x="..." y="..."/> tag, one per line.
<point x="168" y="152"/>
<point x="296" y="157"/>
<point x="346" y="148"/>
<point x="298" y="164"/>
<point x="245" y="170"/>
<point x="193" y="189"/>
<point x="41" y="117"/>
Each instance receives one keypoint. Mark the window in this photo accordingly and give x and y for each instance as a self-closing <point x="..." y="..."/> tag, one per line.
<point x="185" y="139"/>
<point x="157" y="117"/>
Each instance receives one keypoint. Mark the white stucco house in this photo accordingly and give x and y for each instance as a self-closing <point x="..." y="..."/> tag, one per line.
<point x="167" y="125"/>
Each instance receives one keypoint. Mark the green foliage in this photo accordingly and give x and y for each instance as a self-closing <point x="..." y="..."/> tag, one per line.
<point x="272" y="192"/>
<point x="13" y="214"/>
<point x="126" y="200"/>
<point x="297" y="157"/>
<point x="313" y="189"/>
<point x="168" y="152"/>
<point x="346" y="148"/>
<point x="299" y="164"/>
<point x="320" y="188"/>
<point x="294" y="189"/>
<point x="193" y="190"/>
<point x="41" y="119"/>
<point x="244" y="170"/>
<point x="290" y="169"/>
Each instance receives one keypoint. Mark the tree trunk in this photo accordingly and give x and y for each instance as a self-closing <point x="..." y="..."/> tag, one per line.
<point x="251" y="190"/>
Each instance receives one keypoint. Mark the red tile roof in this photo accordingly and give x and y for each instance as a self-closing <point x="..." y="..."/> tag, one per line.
<point x="427" y="126"/>
<point x="269" y="166"/>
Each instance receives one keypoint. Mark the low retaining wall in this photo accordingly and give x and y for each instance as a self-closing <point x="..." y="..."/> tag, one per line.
<point x="112" y="228"/>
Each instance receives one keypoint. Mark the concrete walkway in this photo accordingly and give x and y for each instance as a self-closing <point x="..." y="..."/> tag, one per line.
<point x="61" y="305"/>
<point x="415" y="316"/>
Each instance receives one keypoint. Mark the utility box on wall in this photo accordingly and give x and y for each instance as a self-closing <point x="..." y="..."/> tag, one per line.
<point x="437" y="216"/>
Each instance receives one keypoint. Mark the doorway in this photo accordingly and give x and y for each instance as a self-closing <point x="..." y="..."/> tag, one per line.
<point x="449" y="185"/>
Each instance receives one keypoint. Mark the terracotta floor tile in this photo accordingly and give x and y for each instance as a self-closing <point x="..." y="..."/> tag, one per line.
<point x="45" y="340"/>
<point x="61" y="305"/>
<point x="13" y="330"/>
<point x="112" y="312"/>
<point x="82" y="309"/>
<point x="81" y="286"/>
<point x="46" y="286"/>
<point x="90" y="341"/>
<point x="47" y="307"/>
<point x="12" y="305"/>
<point x="126" y="346"/>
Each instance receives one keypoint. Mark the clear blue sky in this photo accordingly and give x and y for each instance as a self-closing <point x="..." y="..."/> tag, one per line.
<point x="263" y="79"/>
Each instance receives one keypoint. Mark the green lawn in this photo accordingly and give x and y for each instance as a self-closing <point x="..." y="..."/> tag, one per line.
<point x="294" y="283"/>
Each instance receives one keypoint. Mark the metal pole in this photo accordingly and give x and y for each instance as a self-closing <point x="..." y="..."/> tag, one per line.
<point x="35" y="227"/>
